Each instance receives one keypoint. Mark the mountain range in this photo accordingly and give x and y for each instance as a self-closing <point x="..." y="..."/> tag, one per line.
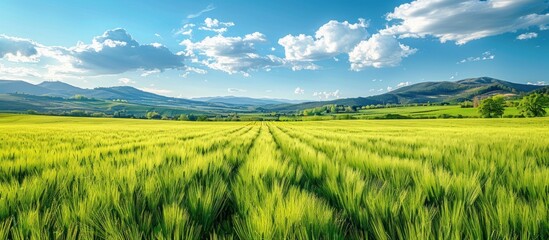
<point x="18" y="96"/>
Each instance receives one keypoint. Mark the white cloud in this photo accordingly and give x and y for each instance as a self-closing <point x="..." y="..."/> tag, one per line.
<point x="327" y="95"/>
<point x="111" y="53"/>
<point x="389" y="89"/>
<point x="235" y="90"/>
<point x="403" y="84"/>
<point x="150" y="72"/>
<point x="156" y="91"/>
<point x="526" y="36"/>
<point x="198" y="14"/>
<point x="18" y="72"/>
<point x="486" y="56"/>
<point x="19" y="49"/>
<point x="539" y="83"/>
<point x="116" y="51"/>
<point x="186" y="30"/>
<point x="379" y="51"/>
<point x="125" y="81"/>
<point x="466" y="20"/>
<point x="215" y="25"/>
<point x="189" y="70"/>
<point x="298" y="66"/>
<point x="299" y="91"/>
<point x="231" y="54"/>
<point x="330" y="40"/>
<point x="158" y="35"/>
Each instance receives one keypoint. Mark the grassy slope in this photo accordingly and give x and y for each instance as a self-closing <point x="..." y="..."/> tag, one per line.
<point x="414" y="179"/>
<point x="434" y="111"/>
<point x="22" y="103"/>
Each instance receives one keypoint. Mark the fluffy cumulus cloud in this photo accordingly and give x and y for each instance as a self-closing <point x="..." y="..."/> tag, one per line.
<point x="18" y="49"/>
<point x="116" y="52"/>
<point x="230" y="54"/>
<point x="335" y="38"/>
<point x="215" y="25"/>
<point x="467" y="20"/>
<point x="526" y="36"/>
<point x="299" y="91"/>
<point x="379" y="51"/>
<point x="111" y="53"/>
<point x="330" y="40"/>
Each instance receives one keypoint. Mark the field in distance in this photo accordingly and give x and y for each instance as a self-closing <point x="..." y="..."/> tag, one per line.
<point x="63" y="177"/>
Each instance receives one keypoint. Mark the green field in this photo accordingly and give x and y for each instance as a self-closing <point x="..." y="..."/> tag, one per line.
<point x="67" y="178"/>
<point x="429" y="111"/>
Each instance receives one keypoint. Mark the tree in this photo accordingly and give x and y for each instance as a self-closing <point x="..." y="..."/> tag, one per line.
<point x="153" y="115"/>
<point x="466" y="104"/>
<point x="80" y="97"/>
<point x="333" y="109"/>
<point x="191" y="117"/>
<point x="532" y="105"/>
<point x="476" y="102"/>
<point x="183" y="117"/>
<point x="492" y="107"/>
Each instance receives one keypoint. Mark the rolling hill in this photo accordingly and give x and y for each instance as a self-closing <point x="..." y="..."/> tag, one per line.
<point x="434" y="92"/>
<point x="18" y="96"/>
<point x="246" y="101"/>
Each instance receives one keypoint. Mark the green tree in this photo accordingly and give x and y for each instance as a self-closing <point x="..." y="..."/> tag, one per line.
<point x="532" y="105"/>
<point x="492" y="107"/>
<point x="80" y="97"/>
<point x="191" y="117"/>
<point x="333" y="109"/>
<point x="183" y="117"/>
<point x="153" y="115"/>
<point x="466" y="104"/>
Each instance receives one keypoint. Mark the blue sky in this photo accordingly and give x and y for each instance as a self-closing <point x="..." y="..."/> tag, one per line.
<point x="278" y="49"/>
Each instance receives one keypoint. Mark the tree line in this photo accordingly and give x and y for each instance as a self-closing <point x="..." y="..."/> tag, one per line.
<point x="532" y="105"/>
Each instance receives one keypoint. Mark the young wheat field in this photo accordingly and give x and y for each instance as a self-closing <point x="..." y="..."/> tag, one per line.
<point x="68" y="178"/>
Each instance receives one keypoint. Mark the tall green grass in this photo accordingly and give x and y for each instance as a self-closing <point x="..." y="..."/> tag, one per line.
<point x="67" y="178"/>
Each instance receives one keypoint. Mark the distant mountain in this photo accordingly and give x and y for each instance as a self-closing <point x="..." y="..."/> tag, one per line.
<point x="434" y="92"/>
<point x="62" y="87"/>
<point x="18" y="95"/>
<point x="246" y="101"/>
<point x="125" y="93"/>
<point x="7" y="86"/>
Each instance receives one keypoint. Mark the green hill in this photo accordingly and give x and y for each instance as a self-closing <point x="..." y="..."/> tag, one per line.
<point x="434" y="92"/>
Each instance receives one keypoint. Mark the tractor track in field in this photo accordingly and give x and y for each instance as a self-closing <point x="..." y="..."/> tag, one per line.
<point x="349" y="224"/>
<point x="226" y="213"/>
